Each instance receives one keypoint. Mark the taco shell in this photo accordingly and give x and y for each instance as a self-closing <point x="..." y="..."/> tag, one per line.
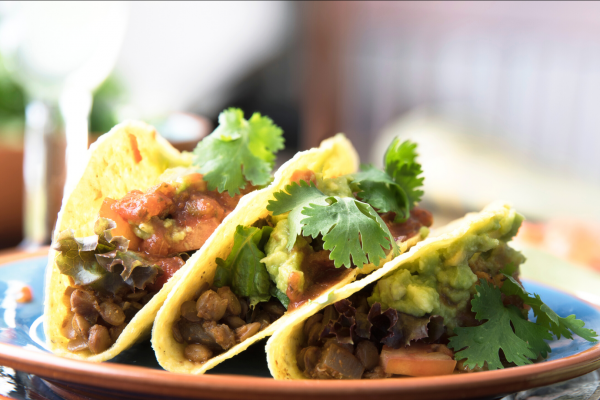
<point x="497" y="222"/>
<point x="131" y="156"/>
<point x="334" y="157"/>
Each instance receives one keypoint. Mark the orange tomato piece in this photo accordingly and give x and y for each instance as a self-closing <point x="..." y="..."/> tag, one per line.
<point x="305" y="175"/>
<point x="418" y="360"/>
<point x="123" y="228"/>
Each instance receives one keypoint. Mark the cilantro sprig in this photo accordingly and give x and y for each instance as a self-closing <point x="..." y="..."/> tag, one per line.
<point x="351" y="229"/>
<point x="238" y="151"/>
<point x="547" y="318"/>
<point x="397" y="188"/>
<point x="506" y="329"/>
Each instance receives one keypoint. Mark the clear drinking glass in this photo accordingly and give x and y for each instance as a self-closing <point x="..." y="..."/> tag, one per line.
<point x="59" y="52"/>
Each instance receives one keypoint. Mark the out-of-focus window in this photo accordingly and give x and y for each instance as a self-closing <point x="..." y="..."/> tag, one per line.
<point x="526" y="72"/>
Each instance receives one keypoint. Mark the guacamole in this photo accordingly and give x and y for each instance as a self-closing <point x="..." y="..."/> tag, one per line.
<point x="280" y="262"/>
<point x="443" y="281"/>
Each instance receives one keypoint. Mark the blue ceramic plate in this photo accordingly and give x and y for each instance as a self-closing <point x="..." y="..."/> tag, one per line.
<point x="21" y="327"/>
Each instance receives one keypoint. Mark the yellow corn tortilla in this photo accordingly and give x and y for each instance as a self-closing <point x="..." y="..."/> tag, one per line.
<point x="495" y="221"/>
<point x="131" y="156"/>
<point x="334" y="157"/>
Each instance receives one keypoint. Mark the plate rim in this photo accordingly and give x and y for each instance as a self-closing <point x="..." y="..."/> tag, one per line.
<point x="136" y="379"/>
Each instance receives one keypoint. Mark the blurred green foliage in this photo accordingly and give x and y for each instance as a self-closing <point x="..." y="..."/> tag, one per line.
<point x="107" y="97"/>
<point x="103" y="116"/>
<point x="12" y="103"/>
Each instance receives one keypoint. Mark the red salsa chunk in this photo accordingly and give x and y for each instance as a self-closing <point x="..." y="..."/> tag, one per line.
<point x="170" y="217"/>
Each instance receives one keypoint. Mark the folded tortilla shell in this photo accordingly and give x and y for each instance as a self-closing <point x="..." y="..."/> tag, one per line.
<point x="498" y="220"/>
<point x="131" y="156"/>
<point x="334" y="157"/>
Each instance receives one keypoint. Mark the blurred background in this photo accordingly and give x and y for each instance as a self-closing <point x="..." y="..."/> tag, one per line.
<point x="502" y="97"/>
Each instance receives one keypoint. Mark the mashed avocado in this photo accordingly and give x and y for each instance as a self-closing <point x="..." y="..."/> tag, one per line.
<point x="443" y="281"/>
<point x="280" y="262"/>
<point x="339" y="186"/>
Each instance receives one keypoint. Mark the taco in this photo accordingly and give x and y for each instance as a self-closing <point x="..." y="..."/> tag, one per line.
<point x="453" y="303"/>
<point x="139" y="210"/>
<point x="318" y="227"/>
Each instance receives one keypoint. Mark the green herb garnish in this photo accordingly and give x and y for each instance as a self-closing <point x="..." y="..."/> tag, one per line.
<point x="506" y="329"/>
<point x="351" y="229"/>
<point x="238" y="151"/>
<point x="397" y="188"/>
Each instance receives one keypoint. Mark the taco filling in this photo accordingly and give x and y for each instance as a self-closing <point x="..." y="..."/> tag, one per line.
<point x="144" y="238"/>
<point x="457" y="308"/>
<point x="401" y="324"/>
<point x="282" y="262"/>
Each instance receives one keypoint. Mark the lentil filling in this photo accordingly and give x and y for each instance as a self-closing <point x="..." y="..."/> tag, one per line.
<point x="217" y="319"/>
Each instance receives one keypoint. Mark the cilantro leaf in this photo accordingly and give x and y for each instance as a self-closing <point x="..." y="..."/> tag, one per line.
<point x="351" y="229"/>
<point x="242" y="270"/>
<point x="237" y="151"/>
<point x="378" y="189"/>
<point x="547" y="318"/>
<point x="535" y="335"/>
<point x="397" y="188"/>
<point x="481" y="344"/>
<point x="570" y="323"/>
<point x="102" y="260"/>
<point x="293" y="200"/>
<point x="400" y="152"/>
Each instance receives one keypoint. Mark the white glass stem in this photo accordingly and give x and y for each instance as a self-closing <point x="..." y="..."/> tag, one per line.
<point x="37" y="117"/>
<point x="75" y="106"/>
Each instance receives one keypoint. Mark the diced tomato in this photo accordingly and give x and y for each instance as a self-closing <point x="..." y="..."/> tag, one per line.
<point x="169" y="266"/>
<point x="205" y="207"/>
<point x="418" y="360"/>
<point x="156" y="244"/>
<point x="123" y="228"/>
<point x="294" y="290"/>
<point x="202" y="228"/>
<point x="305" y="175"/>
<point x="137" y="207"/>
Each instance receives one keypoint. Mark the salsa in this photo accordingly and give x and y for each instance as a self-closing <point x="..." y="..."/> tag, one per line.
<point x="170" y="218"/>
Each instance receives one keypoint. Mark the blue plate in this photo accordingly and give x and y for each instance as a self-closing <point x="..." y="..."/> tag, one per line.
<point x="21" y="324"/>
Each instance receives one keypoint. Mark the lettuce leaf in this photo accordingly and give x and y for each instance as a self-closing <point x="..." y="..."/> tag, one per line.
<point x="242" y="271"/>
<point x="102" y="260"/>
